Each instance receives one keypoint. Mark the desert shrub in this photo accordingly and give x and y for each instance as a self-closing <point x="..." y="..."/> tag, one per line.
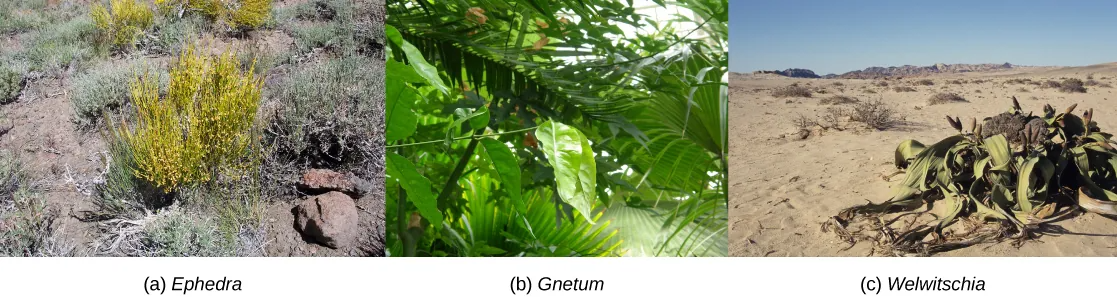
<point x="236" y="14"/>
<point x="59" y="47"/>
<point x="100" y="90"/>
<point x="870" y="91"/>
<point x="1090" y="76"/>
<point x="903" y="89"/>
<point x="837" y="84"/>
<point x="838" y="99"/>
<point x="329" y="115"/>
<point x="1090" y="83"/>
<point x="26" y="225"/>
<point x="876" y="114"/>
<point x="1050" y="84"/>
<point x="176" y="233"/>
<point x="11" y="84"/>
<point x="803" y="122"/>
<point x="791" y="91"/>
<point x="122" y="23"/>
<point x="1105" y="85"/>
<point x="1019" y="81"/>
<point x="924" y="82"/>
<point x="202" y="124"/>
<point x="942" y="98"/>
<point x="956" y="82"/>
<point x="172" y="34"/>
<point x="1072" y="85"/>
<point x="1022" y="90"/>
<point x="881" y="83"/>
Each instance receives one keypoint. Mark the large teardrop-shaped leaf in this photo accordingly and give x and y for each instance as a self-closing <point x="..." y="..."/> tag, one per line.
<point x="418" y="187"/>
<point x="569" y="153"/>
<point x="507" y="168"/>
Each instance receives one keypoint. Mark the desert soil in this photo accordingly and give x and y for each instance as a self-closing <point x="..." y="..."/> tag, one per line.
<point x="782" y="188"/>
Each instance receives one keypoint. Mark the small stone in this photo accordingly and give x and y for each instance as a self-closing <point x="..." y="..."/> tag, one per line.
<point x="330" y="218"/>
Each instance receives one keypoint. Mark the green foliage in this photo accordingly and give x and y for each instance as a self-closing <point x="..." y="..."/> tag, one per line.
<point x="1016" y="178"/>
<point x="27" y="227"/>
<point x="59" y="47"/>
<point x="238" y="14"/>
<point x="176" y="233"/>
<point x="479" y="89"/>
<point x="122" y="22"/>
<point x="21" y="16"/>
<point x="203" y="123"/>
<point x="329" y="114"/>
<point x="571" y="157"/>
<point x="11" y="84"/>
<point x="100" y="90"/>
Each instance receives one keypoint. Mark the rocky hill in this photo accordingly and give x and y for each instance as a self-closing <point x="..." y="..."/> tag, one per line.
<point x="909" y="70"/>
<point x="792" y="72"/>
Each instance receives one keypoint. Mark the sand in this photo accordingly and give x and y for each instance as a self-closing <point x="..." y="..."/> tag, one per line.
<point x="782" y="188"/>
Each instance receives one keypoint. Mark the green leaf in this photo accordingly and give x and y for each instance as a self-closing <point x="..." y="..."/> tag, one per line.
<point x="400" y="120"/>
<point x="507" y="168"/>
<point x="415" y="58"/>
<point x="569" y="153"/>
<point x="418" y="187"/>
<point x="906" y="151"/>
<point x="477" y="119"/>
<point x="1024" y="191"/>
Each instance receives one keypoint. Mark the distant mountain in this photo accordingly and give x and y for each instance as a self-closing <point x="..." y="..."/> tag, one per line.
<point x="908" y="70"/>
<point x="792" y="72"/>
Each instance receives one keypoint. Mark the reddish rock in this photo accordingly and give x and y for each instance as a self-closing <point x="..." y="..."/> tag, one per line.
<point x="317" y="181"/>
<point x="330" y="218"/>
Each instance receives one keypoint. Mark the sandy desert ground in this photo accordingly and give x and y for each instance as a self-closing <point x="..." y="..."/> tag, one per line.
<point x="782" y="188"/>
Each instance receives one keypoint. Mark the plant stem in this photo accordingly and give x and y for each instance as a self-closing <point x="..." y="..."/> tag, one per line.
<point x="457" y="173"/>
<point x="474" y="136"/>
<point x="409" y="243"/>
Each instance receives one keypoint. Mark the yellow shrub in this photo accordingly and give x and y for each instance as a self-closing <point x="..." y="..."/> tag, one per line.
<point x="204" y="122"/>
<point x="238" y="13"/>
<point x="123" y="21"/>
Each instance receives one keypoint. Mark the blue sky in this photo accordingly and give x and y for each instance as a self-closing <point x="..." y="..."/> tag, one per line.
<point x="841" y="36"/>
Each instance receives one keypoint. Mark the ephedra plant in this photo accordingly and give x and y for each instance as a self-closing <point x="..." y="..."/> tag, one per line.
<point x="1004" y="178"/>
<point x="204" y="123"/>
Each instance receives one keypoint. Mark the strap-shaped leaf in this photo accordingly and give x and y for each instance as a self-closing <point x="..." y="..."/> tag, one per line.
<point x="906" y="152"/>
<point x="1028" y="179"/>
